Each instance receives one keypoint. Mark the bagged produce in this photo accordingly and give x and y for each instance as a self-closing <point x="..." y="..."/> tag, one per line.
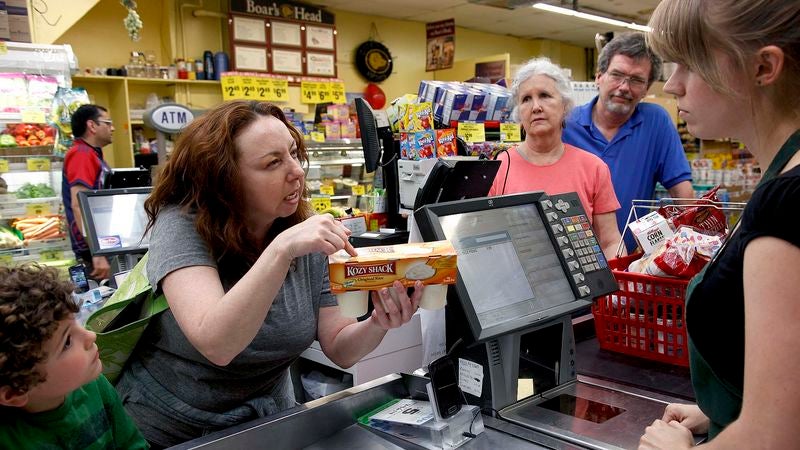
<point x="65" y="102"/>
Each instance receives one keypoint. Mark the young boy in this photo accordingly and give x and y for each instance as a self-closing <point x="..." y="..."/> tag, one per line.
<point x="51" y="391"/>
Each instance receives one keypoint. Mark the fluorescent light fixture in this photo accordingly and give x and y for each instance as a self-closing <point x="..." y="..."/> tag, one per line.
<point x="592" y="17"/>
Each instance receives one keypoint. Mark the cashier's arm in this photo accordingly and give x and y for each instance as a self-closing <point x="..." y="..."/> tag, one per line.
<point x="346" y="341"/>
<point x="771" y="403"/>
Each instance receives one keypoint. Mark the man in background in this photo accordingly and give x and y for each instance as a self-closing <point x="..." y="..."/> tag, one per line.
<point x="85" y="169"/>
<point x="638" y="141"/>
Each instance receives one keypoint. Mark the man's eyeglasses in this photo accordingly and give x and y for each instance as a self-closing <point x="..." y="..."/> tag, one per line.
<point x="105" y="121"/>
<point x="634" y="82"/>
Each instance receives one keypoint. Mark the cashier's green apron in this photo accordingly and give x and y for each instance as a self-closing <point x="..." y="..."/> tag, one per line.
<point x="713" y="392"/>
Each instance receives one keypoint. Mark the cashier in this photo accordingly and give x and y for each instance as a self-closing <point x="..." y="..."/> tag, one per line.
<point x="542" y="98"/>
<point x="241" y="259"/>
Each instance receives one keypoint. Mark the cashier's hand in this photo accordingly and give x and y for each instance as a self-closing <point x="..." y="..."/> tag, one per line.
<point x="666" y="435"/>
<point x="100" y="268"/>
<point x="317" y="234"/>
<point x="690" y="416"/>
<point x="393" y="307"/>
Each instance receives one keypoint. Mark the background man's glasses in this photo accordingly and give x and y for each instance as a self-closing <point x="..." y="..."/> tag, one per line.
<point x="107" y="122"/>
<point x="634" y="82"/>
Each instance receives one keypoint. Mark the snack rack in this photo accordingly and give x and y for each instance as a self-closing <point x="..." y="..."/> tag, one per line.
<point x="646" y="316"/>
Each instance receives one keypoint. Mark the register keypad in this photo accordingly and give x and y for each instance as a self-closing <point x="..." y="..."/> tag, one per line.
<point x="587" y="249"/>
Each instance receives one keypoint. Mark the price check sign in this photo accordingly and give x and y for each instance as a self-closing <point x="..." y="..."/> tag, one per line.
<point x="248" y="88"/>
<point x="230" y="87"/>
<point x="280" y="90"/>
<point x="337" y="93"/>
<point x="309" y="92"/>
<point x="510" y="132"/>
<point x="471" y="131"/>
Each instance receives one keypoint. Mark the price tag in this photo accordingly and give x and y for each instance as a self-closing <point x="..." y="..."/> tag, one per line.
<point x="3" y="48"/>
<point x="317" y="136"/>
<point x="324" y="92"/>
<point x="263" y="88"/>
<point x="337" y="92"/>
<point x="248" y="88"/>
<point x="359" y="189"/>
<point x="320" y="203"/>
<point x="33" y="115"/>
<point x="230" y="87"/>
<point x="510" y="132"/>
<point x="472" y="132"/>
<point x="326" y="189"/>
<point x="37" y="209"/>
<point x="5" y="260"/>
<point x="38" y="164"/>
<point x="51" y="255"/>
<point x="4" y="166"/>
<point x="309" y="92"/>
<point x="280" y="90"/>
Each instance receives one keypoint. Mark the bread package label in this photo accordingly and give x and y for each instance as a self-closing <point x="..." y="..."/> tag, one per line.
<point x="651" y="231"/>
<point x="378" y="267"/>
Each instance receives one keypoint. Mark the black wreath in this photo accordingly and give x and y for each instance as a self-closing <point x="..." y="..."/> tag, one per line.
<point x="373" y="61"/>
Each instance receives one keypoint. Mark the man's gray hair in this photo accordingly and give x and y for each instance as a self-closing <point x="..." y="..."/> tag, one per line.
<point x="632" y="45"/>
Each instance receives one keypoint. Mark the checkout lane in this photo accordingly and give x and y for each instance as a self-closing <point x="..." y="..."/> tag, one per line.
<point x="530" y="341"/>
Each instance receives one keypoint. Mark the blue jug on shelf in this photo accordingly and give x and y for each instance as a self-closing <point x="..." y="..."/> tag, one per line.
<point x="220" y="64"/>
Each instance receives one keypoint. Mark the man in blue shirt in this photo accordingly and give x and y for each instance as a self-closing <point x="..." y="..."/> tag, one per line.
<point x="637" y="140"/>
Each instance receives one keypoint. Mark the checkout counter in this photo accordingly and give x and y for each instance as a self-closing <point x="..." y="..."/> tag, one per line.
<point x="515" y="333"/>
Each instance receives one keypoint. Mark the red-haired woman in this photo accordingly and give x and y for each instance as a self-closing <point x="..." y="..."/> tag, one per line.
<point x="241" y="259"/>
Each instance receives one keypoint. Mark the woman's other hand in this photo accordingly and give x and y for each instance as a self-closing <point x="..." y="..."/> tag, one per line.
<point x="317" y="234"/>
<point x="690" y="416"/>
<point x="667" y="436"/>
<point x="393" y="306"/>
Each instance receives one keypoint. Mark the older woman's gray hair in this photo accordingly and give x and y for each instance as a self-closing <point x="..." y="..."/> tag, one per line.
<point x="541" y="66"/>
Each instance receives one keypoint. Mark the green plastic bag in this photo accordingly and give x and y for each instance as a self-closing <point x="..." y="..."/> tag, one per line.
<point x="120" y="323"/>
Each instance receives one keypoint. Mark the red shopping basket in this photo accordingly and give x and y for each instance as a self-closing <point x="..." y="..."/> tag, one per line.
<point x="645" y="317"/>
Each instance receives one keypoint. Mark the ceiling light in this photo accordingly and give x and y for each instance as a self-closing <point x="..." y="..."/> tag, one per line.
<point x="592" y="17"/>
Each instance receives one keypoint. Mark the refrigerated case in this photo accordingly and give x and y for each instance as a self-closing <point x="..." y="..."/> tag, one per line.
<point x="32" y="173"/>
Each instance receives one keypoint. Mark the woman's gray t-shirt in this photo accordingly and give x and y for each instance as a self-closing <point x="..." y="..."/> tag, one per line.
<point x="290" y="326"/>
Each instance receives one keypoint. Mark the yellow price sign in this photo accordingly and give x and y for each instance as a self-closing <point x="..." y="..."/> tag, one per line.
<point x="51" y="255"/>
<point x="37" y="209"/>
<point x="326" y="189"/>
<point x="510" y="132"/>
<point x="33" y="115"/>
<point x="324" y="90"/>
<point x="247" y="86"/>
<point x="6" y="260"/>
<point x="38" y="164"/>
<point x="3" y="48"/>
<point x="317" y="136"/>
<point x="471" y="131"/>
<point x="309" y="92"/>
<point x="320" y="203"/>
<point x="280" y="90"/>
<point x="4" y="166"/>
<point x="230" y="87"/>
<point x="263" y="88"/>
<point x="337" y="92"/>
<point x="359" y="189"/>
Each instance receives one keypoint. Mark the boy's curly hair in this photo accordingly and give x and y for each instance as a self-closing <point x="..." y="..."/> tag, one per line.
<point x="33" y="300"/>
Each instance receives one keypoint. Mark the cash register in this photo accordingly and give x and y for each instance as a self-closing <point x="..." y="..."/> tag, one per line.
<point x="526" y="262"/>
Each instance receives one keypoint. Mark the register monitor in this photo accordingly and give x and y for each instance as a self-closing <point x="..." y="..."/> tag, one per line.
<point x="115" y="220"/>
<point x="519" y="262"/>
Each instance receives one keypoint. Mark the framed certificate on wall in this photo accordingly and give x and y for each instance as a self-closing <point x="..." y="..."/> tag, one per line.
<point x="323" y="64"/>
<point x="250" y="58"/>
<point x="285" y="33"/>
<point x="320" y="37"/>
<point x="247" y="29"/>
<point x="287" y="61"/>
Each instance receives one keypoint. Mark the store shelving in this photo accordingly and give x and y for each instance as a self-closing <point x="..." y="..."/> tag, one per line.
<point x="126" y="97"/>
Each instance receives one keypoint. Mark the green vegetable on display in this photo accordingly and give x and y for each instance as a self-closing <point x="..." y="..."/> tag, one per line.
<point x="39" y="190"/>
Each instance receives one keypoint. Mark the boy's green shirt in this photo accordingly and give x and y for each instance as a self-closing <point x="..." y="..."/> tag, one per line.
<point x="91" y="418"/>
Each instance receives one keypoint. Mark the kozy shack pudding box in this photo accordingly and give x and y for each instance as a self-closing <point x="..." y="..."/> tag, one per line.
<point x="433" y="263"/>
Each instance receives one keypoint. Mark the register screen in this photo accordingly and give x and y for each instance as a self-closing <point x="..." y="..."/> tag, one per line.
<point x="507" y="262"/>
<point x="118" y="222"/>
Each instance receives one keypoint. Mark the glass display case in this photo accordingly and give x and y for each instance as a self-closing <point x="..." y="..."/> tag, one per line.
<point x="336" y="174"/>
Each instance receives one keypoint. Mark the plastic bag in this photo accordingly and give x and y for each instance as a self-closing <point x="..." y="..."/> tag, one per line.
<point x="65" y="102"/>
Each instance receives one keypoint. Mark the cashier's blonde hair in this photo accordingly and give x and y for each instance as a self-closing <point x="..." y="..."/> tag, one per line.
<point x="692" y="32"/>
<point x="202" y="178"/>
